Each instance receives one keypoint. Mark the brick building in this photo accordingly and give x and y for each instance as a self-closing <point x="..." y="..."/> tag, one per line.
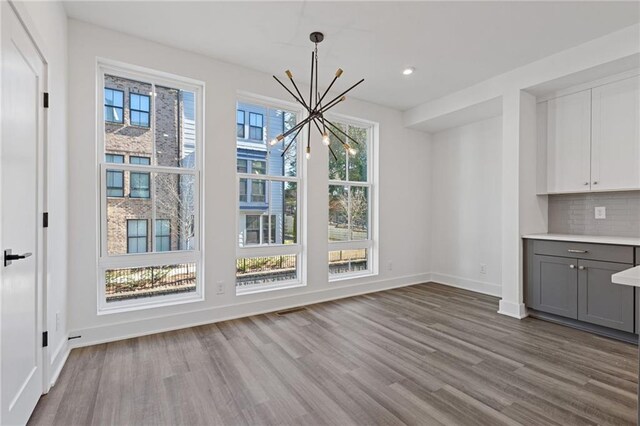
<point x="133" y="123"/>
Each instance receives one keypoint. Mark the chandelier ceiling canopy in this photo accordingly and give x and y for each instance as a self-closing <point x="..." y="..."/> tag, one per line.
<point x="316" y="107"/>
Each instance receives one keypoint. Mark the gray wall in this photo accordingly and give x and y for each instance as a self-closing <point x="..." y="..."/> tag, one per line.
<point x="575" y="214"/>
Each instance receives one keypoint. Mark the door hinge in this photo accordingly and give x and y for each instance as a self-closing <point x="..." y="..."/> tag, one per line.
<point x="45" y="99"/>
<point x="45" y="219"/>
<point x="45" y="339"/>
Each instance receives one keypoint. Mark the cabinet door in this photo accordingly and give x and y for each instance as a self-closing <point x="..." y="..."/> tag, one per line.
<point x="602" y="302"/>
<point x="615" y="143"/>
<point x="555" y="286"/>
<point x="569" y="143"/>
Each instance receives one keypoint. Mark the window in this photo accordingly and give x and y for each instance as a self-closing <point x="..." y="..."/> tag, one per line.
<point x="350" y="201"/>
<point x="139" y="107"/>
<point x="115" y="179"/>
<point x="113" y="105"/>
<point x="140" y="182"/>
<point x="269" y="248"/>
<point x="255" y="126"/>
<point x="136" y="235"/>
<point x="150" y="242"/>
<point x="163" y="235"/>
<point x="240" y="123"/>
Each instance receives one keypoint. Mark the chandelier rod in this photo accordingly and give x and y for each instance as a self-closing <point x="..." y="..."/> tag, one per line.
<point x="340" y="130"/>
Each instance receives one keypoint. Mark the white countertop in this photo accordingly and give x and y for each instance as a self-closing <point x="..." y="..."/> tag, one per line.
<point x="627" y="277"/>
<point x="596" y="239"/>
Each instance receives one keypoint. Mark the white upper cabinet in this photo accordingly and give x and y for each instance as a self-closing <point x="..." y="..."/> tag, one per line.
<point x="615" y="138"/>
<point x="568" y="143"/>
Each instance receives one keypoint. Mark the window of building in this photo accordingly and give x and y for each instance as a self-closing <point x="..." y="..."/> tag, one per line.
<point x="115" y="179"/>
<point x="136" y="235"/>
<point x="139" y="108"/>
<point x="150" y="249"/>
<point x="350" y="202"/>
<point x="140" y="183"/>
<point x="240" y="123"/>
<point x="269" y="221"/>
<point x="255" y="126"/>
<point x="113" y="105"/>
<point x="163" y="235"/>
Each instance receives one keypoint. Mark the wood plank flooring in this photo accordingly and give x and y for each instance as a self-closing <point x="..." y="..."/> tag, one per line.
<point x="421" y="355"/>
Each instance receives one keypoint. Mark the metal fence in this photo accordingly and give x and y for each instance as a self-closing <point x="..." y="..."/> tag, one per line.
<point x="132" y="283"/>
<point x="266" y="269"/>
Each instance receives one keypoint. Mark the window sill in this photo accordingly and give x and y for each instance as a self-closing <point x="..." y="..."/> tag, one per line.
<point x="351" y="276"/>
<point x="151" y="302"/>
<point x="264" y="289"/>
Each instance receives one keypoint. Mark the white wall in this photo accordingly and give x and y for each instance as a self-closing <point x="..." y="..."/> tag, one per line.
<point x="466" y="206"/>
<point x="403" y="215"/>
<point x="47" y="23"/>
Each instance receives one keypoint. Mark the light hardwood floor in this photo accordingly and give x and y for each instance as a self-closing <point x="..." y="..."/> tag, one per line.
<point x="426" y="354"/>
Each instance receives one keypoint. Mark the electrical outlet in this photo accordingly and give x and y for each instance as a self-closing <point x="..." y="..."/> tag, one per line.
<point x="390" y="266"/>
<point x="220" y="289"/>
<point x="601" y="212"/>
<point x="483" y="268"/>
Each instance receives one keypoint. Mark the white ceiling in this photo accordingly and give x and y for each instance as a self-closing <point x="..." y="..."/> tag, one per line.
<point x="452" y="45"/>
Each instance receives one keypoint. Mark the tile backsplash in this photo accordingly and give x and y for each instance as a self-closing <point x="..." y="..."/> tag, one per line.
<point x="575" y="214"/>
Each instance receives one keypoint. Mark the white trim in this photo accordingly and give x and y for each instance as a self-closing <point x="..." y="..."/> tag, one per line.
<point x="163" y="323"/>
<point x="58" y="360"/>
<point x="514" y="310"/>
<point x="589" y="85"/>
<point x="483" y="287"/>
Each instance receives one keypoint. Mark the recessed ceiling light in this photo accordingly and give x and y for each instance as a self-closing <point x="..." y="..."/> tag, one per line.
<point x="408" y="71"/>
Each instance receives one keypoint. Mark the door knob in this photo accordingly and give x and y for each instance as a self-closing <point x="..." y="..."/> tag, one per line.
<point x="582" y="268"/>
<point x="10" y="257"/>
<point x="572" y="266"/>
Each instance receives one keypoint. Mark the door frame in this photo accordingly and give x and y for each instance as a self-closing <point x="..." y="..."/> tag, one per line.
<point x="42" y="171"/>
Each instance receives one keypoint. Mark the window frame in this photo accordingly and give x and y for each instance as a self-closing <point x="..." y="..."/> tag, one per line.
<point x="151" y="258"/>
<point x="370" y="244"/>
<point x="243" y="124"/>
<point x="251" y="127"/>
<point x="112" y="106"/>
<point x="266" y="250"/>
<point x="131" y="109"/>
<point x="114" y="172"/>
<point x="146" y="235"/>
<point x="162" y="235"/>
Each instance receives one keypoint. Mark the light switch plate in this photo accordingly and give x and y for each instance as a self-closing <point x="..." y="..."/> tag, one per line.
<point x="601" y="212"/>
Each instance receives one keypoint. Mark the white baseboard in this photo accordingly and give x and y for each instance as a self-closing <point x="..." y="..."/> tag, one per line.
<point x="483" y="287"/>
<point x="120" y="331"/>
<point x="58" y="360"/>
<point x="512" y="309"/>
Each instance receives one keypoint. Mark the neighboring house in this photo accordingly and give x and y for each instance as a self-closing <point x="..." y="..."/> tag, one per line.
<point x="261" y="218"/>
<point x="131" y="126"/>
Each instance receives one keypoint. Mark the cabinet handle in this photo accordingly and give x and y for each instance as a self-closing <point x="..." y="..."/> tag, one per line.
<point x="572" y="266"/>
<point x="577" y="251"/>
<point x="595" y="182"/>
<point x="582" y="268"/>
<point x="586" y="183"/>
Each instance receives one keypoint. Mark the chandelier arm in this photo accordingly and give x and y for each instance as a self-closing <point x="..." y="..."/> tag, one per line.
<point x="337" y="136"/>
<point x="290" y="142"/>
<point x="324" y="127"/>
<point x="315" y="92"/>
<point x="296" y="127"/>
<point x="311" y="82"/>
<point x="301" y="100"/>
<point x="327" y="91"/>
<point x="337" y="98"/>
<point x="335" y="157"/>
<point x="340" y="130"/>
<point x="317" y="126"/>
<point x="291" y="93"/>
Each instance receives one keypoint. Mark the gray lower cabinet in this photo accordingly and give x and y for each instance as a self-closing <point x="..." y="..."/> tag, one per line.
<point x="602" y="302"/>
<point x="554" y="287"/>
<point x="573" y="280"/>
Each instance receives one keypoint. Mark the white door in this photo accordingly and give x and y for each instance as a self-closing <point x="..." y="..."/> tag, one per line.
<point x="615" y="144"/>
<point x="569" y="143"/>
<point x="21" y="164"/>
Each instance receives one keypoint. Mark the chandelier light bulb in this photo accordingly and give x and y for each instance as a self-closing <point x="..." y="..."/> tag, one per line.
<point x="276" y="140"/>
<point x="352" y="151"/>
<point x="325" y="139"/>
<point x="308" y="154"/>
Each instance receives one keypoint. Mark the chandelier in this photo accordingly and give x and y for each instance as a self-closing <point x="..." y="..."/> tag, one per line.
<point x="316" y="109"/>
